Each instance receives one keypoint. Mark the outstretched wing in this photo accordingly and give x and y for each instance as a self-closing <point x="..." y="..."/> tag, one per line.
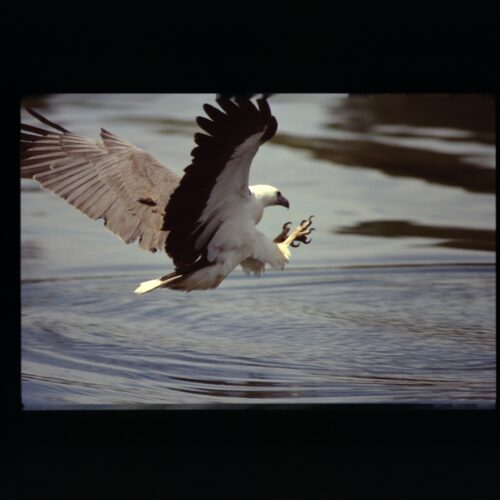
<point x="217" y="179"/>
<point x="110" y="179"/>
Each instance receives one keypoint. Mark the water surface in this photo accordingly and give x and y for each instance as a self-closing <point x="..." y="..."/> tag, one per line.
<point x="394" y="301"/>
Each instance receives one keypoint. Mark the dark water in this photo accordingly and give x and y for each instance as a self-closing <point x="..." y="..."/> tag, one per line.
<point x="394" y="301"/>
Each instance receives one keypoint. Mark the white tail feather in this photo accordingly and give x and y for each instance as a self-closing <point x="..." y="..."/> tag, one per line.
<point x="148" y="286"/>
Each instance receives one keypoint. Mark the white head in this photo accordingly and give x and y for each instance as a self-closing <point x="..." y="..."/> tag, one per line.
<point x="269" y="195"/>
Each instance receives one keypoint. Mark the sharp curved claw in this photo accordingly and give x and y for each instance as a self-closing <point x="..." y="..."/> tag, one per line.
<point x="307" y="222"/>
<point x="302" y="232"/>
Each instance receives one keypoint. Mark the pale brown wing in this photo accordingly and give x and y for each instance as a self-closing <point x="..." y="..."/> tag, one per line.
<point x="111" y="179"/>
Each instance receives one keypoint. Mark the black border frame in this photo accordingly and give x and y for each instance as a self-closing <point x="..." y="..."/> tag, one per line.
<point x="429" y="48"/>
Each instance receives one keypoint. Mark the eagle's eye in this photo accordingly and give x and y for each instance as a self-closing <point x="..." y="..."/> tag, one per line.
<point x="278" y="194"/>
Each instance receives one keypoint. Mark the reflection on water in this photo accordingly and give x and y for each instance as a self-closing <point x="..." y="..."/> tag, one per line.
<point x="366" y="313"/>
<point x="401" y="161"/>
<point x="455" y="237"/>
<point x="466" y="114"/>
<point x="382" y="131"/>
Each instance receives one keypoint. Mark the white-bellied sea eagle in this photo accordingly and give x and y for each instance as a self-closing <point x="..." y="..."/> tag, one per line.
<point x="205" y="220"/>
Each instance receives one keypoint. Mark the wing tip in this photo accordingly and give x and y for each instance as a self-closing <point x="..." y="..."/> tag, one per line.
<point x="46" y="121"/>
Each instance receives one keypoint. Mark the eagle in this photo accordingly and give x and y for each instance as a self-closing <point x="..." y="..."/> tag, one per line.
<point x="205" y="220"/>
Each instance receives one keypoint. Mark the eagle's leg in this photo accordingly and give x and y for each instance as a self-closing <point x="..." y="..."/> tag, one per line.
<point x="300" y="233"/>
<point x="284" y="233"/>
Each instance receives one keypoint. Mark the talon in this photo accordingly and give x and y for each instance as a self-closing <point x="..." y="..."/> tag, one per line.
<point x="307" y="222"/>
<point x="284" y="233"/>
<point x="300" y="233"/>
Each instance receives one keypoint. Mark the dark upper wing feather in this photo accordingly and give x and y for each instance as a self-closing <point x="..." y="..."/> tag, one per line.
<point x="228" y="106"/>
<point x="202" y="139"/>
<point x="213" y="113"/>
<point x="271" y="130"/>
<point x="212" y="127"/>
<point x="249" y="109"/>
<point x="273" y="124"/>
<point x="239" y="125"/>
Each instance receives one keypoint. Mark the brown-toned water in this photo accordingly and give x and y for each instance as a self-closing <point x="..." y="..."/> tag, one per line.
<point x="394" y="301"/>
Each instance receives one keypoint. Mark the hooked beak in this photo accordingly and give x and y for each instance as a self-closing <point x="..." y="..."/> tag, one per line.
<point x="283" y="201"/>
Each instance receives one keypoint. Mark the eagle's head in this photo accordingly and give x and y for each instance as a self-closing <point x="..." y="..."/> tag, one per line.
<point x="269" y="195"/>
